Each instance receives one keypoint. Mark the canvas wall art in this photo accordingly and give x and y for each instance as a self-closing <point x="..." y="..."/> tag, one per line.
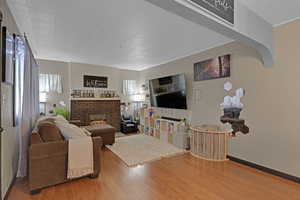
<point x="222" y="9"/>
<point x="95" y="81"/>
<point x="218" y="67"/>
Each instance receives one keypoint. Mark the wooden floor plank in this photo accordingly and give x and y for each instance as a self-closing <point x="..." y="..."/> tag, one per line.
<point x="182" y="177"/>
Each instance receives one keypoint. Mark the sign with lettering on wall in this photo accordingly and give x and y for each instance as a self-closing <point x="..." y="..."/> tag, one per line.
<point x="95" y="81"/>
<point x="223" y="9"/>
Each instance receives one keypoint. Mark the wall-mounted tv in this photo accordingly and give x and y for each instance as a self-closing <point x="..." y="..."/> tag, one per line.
<point x="169" y="92"/>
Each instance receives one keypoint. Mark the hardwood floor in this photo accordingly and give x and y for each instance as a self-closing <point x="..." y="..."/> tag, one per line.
<point x="178" y="178"/>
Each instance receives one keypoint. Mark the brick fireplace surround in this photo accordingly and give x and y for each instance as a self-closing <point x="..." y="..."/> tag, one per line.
<point x="92" y="110"/>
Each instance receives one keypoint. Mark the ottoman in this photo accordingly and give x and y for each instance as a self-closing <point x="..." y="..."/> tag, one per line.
<point x="105" y="131"/>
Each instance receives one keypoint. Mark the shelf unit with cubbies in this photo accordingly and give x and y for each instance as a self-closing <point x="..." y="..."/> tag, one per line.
<point x="167" y="131"/>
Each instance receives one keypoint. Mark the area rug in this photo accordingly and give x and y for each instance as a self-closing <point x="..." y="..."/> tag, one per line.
<point x="119" y="134"/>
<point x="139" y="149"/>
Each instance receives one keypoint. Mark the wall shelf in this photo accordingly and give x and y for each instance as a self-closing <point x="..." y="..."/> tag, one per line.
<point x="95" y="99"/>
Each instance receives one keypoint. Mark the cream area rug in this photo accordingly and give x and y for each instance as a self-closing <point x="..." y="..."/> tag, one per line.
<point x="119" y="134"/>
<point x="139" y="149"/>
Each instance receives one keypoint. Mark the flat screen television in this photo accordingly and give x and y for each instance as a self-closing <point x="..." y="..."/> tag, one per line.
<point x="168" y="92"/>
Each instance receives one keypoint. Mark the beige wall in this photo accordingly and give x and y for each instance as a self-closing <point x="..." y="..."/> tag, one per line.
<point x="72" y="77"/>
<point x="115" y="76"/>
<point x="272" y="104"/>
<point x="272" y="101"/>
<point x="9" y="139"/>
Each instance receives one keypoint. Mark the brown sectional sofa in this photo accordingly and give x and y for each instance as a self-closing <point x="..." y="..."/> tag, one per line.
<point x="48" y="157"/>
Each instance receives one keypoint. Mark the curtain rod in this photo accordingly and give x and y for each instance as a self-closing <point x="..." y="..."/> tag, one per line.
<point x="29" y="47"/>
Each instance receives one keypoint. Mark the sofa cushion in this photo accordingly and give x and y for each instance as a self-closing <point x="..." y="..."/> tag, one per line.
<point x="49" y="132"/>
<point x="101" y="129"/>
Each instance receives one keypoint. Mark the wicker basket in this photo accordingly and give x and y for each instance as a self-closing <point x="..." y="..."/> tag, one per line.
<point x="210" y="142"/>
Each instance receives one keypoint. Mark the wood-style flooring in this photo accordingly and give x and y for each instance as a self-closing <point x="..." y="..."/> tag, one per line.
<point x="178" y="178"/>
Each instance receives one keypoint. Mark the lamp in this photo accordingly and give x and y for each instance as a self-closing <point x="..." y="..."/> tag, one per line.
<point x="62" y="104"/>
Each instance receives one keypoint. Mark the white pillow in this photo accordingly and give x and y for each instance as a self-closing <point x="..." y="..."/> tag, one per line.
<point x="70" y="131"/>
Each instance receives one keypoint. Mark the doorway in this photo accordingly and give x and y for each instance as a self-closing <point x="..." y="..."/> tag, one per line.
<point x="1" y="130"/>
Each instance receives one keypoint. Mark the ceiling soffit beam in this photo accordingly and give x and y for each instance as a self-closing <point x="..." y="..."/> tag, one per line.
<point x="248" y="28"/>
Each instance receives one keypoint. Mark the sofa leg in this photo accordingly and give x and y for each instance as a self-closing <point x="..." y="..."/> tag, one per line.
<point x="93" y="176"/>
<point x="37" y="191"/>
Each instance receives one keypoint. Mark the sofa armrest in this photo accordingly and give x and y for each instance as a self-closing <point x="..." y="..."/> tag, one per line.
<point x="48" y="149"/>
<point x="35" y="138"/>
<point x="47" y="164"/>
<point x="97" y="144"/>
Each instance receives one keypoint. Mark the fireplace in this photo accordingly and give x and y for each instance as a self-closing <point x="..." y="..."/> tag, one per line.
<point x="97" y="117"/>
<point x="88" y="111"/>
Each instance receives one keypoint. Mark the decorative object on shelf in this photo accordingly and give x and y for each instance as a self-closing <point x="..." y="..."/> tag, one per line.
<point x="212" y="69"/>
<point x="95" y="81"/>
<point x="227" y="86"/>
<point x="76" y="93"/>
<point x="145" y="87"/>
<point x="210" y="142"/>
<point x="232" y="107"/>
<point x="238" y="125"/>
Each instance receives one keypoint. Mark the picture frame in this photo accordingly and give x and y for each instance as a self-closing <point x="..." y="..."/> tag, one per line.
<point x="222" y="10"/>
<point x="215" y="68"/>
<point x="95" y="81"/>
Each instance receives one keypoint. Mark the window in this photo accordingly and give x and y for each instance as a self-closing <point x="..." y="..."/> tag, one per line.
<point x="50" y="83"/>
<point x="43" y="100"/>
<point x="19" y="79"/>
<point x="43" y="97"/>
<point x="129" y="87"/>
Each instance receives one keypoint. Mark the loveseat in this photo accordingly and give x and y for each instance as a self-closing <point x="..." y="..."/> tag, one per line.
<point x="48" y="157"/>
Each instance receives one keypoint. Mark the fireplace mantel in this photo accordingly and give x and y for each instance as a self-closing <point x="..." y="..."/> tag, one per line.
<point x="95" y="99"/>
<point x="109" y="108"/>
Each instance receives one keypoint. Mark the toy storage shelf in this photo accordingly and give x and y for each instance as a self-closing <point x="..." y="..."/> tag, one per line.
<point x="167" y="131"/>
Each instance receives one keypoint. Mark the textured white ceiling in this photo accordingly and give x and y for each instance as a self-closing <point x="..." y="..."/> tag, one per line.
<point x="128" y="34"/>
<point x="275" y="11"/>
